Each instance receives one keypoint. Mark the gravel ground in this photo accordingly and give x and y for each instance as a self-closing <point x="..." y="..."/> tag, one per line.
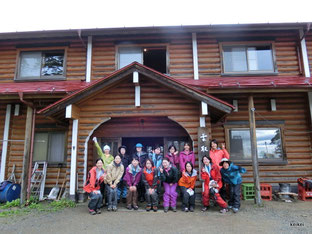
<point x="274" y="217"/>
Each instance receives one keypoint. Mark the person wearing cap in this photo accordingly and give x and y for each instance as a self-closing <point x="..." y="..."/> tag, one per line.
<point x="231" y="174"/>
<point x="115" y="171"/>
<point x="142" y="156"/>
<point x="216" y="154"/>
<point x="106" y="156"/>
<point x="211" y="175"/>
<point x="125" y="160"/>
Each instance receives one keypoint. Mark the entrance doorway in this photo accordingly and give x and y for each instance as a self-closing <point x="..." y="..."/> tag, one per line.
<point x="148" y="143"/>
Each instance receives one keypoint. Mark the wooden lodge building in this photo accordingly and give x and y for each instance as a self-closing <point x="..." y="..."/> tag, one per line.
<point x="156" y="85"/>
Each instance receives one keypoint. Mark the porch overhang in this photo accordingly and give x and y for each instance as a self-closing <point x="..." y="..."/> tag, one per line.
<point x="95" y="87"/>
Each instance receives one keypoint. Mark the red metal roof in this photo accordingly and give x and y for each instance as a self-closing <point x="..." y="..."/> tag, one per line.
<point x="41" y="87"/>
<point x="251" y="82"/>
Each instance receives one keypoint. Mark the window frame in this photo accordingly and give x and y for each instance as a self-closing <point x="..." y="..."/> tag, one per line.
<point x="47" y="159"/>
<point x="41" y="77"/>
<point x="259" y="125"/>
<point x="142" y="46"/>
<point x="247" y="44"/>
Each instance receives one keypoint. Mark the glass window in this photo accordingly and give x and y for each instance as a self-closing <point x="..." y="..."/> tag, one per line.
<point x="269" y="143"/>
<point x="128" y="55"/>
<point x="49" y="147"/>
<point x="248" y="58"/>
<point x="41" y="65"/>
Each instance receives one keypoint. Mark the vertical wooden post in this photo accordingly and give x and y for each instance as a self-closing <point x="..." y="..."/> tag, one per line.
<point x="5" y="142"/>
<point x="73" y="161"/>
<point x="25" y="168"/>
<point x="252" y="125"/>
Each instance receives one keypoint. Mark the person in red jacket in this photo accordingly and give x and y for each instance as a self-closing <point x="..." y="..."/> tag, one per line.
<point x="211" y="175"/>
<point x="216" y="154"/>
<point x="92" y="186"/>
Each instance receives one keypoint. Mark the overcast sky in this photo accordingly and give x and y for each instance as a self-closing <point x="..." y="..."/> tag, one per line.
<point x="29" y="15"/>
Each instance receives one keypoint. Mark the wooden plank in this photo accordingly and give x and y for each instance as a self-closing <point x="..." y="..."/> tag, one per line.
<point x="26" y="155"/>
<point x="73" y="160"/>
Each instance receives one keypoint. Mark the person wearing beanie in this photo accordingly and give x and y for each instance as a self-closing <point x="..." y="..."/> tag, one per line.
<point x="125" y="160"/>
<point x="211" y="175"/>
<point x="114" y="173"/>
<point x="106" y="156"/>
<point x="231" y="175"/>
<point x="142" y="156"/>
<point x="132" y="179"/>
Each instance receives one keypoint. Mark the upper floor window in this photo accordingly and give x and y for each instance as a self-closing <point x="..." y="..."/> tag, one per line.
<point x="151" y="56"/>
<point x="41" y="65"/>
<point x="248" y="58"/>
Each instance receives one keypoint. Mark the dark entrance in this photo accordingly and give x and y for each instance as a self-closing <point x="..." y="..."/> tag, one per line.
<point x="147" y="142"/>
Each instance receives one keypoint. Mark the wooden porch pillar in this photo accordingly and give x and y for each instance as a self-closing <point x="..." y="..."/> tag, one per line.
<point x="73" y="112"/>
<point x="26" y="155"/>
<point x="5" y="142"/>
<point x="253" y="140"/>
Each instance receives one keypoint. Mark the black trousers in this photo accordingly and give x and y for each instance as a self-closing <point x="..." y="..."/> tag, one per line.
<point x="187" y="200"/>
<point x="235" y="193"/>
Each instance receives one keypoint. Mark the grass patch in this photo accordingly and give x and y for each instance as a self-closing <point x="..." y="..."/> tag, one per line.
<point x="14" y="208"/>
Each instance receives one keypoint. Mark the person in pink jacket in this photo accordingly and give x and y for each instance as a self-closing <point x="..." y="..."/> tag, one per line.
<point x="216" y="154"/>
<point x="186" y="156"/>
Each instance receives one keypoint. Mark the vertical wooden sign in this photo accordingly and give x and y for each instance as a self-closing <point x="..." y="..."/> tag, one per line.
<point x="203" y="144"/>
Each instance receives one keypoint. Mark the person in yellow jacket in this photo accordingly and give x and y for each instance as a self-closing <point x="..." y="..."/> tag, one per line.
<point x="107" y="159"/>
<point x="114" y="173"/>
<point x="106" y="156"/>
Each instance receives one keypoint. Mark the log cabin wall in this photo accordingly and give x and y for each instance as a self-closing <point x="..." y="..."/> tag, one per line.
<point x="292" y="108"/>
<point x="16" y="145"/>
<point x="285" y="43"/>
<point x="75" y="62"/>
<point x="119" y="102"/>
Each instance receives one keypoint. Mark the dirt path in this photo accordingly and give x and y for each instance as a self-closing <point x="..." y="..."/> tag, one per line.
<point x="274" y="217"/>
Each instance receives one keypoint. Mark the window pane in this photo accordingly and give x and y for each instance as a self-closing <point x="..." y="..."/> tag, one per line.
<point x="269" y="143"/>
<point x="30" y="64"/>
<point x="40" y="147"/>
<point x="260" y="58"/>
<point x="235" y="59"/>
<point x="56" y="147"/>
<point x="53" y="63"/>
<point x="240" y="145"/>
<point x="128" y="55"/>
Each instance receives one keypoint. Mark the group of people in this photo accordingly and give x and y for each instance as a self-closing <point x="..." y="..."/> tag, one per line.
<point x="141" y="176"/>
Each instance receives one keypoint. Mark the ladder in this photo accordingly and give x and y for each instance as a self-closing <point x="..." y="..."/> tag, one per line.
<point x="37" y="181"/>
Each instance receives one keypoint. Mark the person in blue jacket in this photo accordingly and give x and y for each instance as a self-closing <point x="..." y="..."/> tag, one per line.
<point x="231" y="174"/>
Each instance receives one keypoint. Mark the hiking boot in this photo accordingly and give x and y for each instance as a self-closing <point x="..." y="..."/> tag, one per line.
<point x="174" y="209"/>
<point x="166" y="209"/>
<point x="129" y="207"/>
<point x="186" y="209"/>
<point x="205" y="208"/>
<point x="155" y="208"/>
<point x="135" y="207"/>
<point x="98" y="211"/>
<point x="114" y="208"/>
<point x="191" y="209"/>
<point x="92" y="212"/>
<point x="224" y="210"/>
<point x="235" y="210"/>
<point x="109" y="208"/>
<point x="148" y="208"/>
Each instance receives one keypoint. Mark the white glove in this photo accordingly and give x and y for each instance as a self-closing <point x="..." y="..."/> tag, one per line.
<point x="94" y="139"/>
